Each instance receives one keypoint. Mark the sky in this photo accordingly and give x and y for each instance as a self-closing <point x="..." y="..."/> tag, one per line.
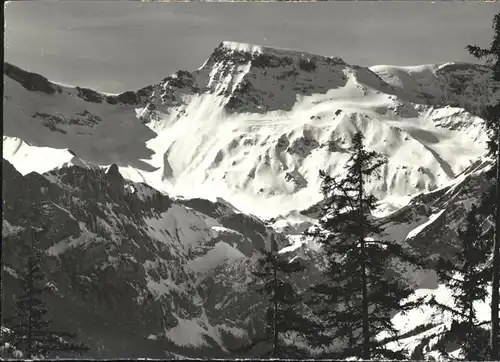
<point x="119" y="46"/>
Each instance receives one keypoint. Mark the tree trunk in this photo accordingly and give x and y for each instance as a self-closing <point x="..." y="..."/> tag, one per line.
<point x="468" y="270"/>
<point x="472" y="315"/>
<point x="366" y="328"/>
<point x="29" y="336"/>
<point x="275" y="310"/>
<point x="495" y="285"/>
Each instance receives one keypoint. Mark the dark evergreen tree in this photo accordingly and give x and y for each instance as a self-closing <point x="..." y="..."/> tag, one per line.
<point x="360" y="295"/>
<point x="492" y="117"/>
<point x="31" y="331"/>
<point x="283" y="313"/>
<point x="467" y="279"/>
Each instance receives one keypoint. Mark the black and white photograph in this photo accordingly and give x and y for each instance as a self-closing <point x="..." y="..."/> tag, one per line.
<point x="251" y="180"/>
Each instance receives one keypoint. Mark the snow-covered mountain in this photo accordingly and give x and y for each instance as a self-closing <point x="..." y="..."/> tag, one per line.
<point x="253" y="125"/>
<point x="237" y="141"/>
<point x="133" y="270"/>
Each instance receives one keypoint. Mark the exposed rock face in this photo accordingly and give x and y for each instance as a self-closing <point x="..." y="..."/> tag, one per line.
<point x="30" y="81"/>
<point x="119" y="256"/>
<point x="253" y="80"/>
<point x="89" y="95"/>
<point x="51" y="121"/>
<point x="38" y="83"/>
<point x="132" y="98"/>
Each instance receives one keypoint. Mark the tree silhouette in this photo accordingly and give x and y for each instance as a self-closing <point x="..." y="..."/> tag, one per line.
<point x="467" y="279"/>
<point x="492" y="117"/>
<point x="30" y="330"/>
<point x="360" y="295"/>
<point x="272" y="277"/>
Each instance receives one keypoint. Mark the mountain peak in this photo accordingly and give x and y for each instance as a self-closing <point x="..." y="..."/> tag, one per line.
<point x="264" y="56"/>
<point x="244" y="47"/>
<point x="253" y="78"/>
<point x="267" y="50"/>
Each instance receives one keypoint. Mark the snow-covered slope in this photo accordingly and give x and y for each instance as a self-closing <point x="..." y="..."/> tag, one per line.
<point x="254" y="125"/>
<point x="455" y="84"/>
<point x="93" y="127"/>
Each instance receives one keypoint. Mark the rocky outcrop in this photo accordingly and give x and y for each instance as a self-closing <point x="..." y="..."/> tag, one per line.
<point x="139" y="97"/>
<point x="51" y="121"/>
<point x="30" y="81"/>
<point x="38" y="83"/>
<point x="89" y="95"/>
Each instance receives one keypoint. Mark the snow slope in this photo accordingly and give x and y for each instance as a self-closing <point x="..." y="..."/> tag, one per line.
<point x="423" y="345"/>
<point x="29" y="158"/>
<point x="254" y="125"/>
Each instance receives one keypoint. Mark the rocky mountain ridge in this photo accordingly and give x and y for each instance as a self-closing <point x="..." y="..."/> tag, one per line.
<point x="129" y="259"/>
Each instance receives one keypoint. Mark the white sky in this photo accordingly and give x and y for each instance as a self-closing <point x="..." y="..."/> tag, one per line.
<point x="118" y="46"/>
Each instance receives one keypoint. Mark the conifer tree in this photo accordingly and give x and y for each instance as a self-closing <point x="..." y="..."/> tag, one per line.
<point x="468" y="282"/>
<point x="283" y="313"/>
<point x="31" y="331"/>
<point x="492" y="117"/>
<point x="359" y="296"/>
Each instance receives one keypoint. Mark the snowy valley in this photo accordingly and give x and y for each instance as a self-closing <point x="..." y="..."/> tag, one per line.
<point x="153" y="205"/>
